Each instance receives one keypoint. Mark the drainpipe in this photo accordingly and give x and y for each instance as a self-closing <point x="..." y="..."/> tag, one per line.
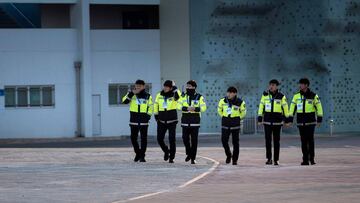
<point x="77" y="66"/>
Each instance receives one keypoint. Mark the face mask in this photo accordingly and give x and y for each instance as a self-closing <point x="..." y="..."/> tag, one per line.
<point x="190" y="91"/>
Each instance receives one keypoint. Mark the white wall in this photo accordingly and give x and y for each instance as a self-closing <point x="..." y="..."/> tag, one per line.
<point x="175" y="41"/>
<point x="122" y="56"/>
<point x="39" y="57"/>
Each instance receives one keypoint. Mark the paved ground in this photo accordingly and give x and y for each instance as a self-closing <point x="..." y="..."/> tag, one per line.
<point x="107" y="174"/>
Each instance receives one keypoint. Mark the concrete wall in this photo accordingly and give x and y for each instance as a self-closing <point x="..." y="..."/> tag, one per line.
<point x="122" y="56"/>
<point x="175" y="41"/>
<point x="39" y="57"/>
<point x="248" y="42"/>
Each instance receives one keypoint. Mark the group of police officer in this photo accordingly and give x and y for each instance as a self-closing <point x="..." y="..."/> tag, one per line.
<point x="273" y="113"/>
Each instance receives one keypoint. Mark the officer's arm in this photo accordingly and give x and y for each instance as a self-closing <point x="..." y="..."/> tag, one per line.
<point x="285" y="108"/>
<point x="261" y="109"/>
<point x="202" y="104"/>
<point x="177" y="93"/>
<point x="292" y="110"/>
<point x="220" y="109"/>
<point x="242" y="110"/>
<point x="150" y="106"/>
<point x="156" y="107"/>
<point x="319" y="109"/>
<point x="180" y="104"/>
<point x="127" y="98"/>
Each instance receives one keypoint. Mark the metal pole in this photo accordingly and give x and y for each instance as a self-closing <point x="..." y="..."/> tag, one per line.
<point x="77" y="66"/>
<point x="331" y="126"/>
<point x="255" y="124"/>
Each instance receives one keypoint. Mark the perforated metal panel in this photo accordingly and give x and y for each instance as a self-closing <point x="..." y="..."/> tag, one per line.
<point x="246" y="43"/>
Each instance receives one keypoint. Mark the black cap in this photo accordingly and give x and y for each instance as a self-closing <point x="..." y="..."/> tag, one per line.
<point x="192" y="83"/>
<point x="232" y="89"/>
<point x="304" y="81"/>
<point x="168" y="83"/>
<point x="140" y="82"/>
<point x="274" y="81"/>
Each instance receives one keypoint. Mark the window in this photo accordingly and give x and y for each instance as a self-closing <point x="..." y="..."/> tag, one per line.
<point x="118" y="91"/>
<point x="29" y="96"/>
<point x="10" y="97"/>
<point x="109" y="16"/>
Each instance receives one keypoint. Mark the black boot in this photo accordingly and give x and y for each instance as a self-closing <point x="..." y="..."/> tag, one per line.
<point x="269" y="162"/>
<point x="187" y="158"/>
<point x="171" y="161"/>
<point x="228" y="159"/>
<point x="166" y="156"/>
<point x="305" y="163"/>
<point x="142" y="159"/>
<point x="276" y="163"/>
<point x="137" y="158"/>
<point x="193" y="161"/>
<point x="312" y="162"/>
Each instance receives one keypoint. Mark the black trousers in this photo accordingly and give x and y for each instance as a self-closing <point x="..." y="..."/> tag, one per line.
<point x="161" y="131"/>
<point x="225" y="136"/>
<point x="190" y="139"/>
<point x="135" y="129"/>
<point x="307" y="142"/>
<point x="272" y="133"/>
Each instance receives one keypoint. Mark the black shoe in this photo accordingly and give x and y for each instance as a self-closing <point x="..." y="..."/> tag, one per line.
<point x="269" y="162"/>
<point x="305" y="163"/>
<point x="171" y="161"/>
<point x="142" y="159"/>
<point x="234" y="163"/>
<point x="187" y="158"/>
<point x="312" y="162"/>
<point x="166" y="156"/>
<point x="276" y="163"/>
<point x="137" y="158"/>
<point x="193" y="161"/>
<point x="228" y="159"/>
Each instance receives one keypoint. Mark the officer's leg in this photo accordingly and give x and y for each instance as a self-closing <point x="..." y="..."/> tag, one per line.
<point x="172" y="140"/>
<point x="186" y="140"/>
<point x="144" y="133"/>
<point x="311" y="144"/>
<point x="235" y="140"/>
<point x="134" y="141"/>
<point x="304" y="143"/>
<point x="276" y="137"/>
<point x="268" y="137"/>
<point x="225" y="134"/>
<point x="161" y="131"/>
<point x="194" y="141"/>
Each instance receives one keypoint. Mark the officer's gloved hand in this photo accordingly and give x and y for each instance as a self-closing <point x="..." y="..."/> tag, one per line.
<point x="174" y="88"/>
<point x="259" y="119"/>
<point x="130" y="94"/>
<point x="319" y="120"/>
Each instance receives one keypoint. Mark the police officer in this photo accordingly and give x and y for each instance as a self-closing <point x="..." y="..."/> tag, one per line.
<point x="191" y="104"/>
<point x="165" y="107"/>
<point x="273" y="111"/>
<point x="232" y="110"/>
<point x="141" y="108"/>
<point x="306" y="104"/>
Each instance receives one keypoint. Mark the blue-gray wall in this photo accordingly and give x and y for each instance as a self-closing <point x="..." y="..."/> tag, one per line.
<point x="248" y="42"/>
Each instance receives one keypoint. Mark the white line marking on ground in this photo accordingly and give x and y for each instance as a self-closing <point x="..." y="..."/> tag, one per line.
<point x="214" y="166"/>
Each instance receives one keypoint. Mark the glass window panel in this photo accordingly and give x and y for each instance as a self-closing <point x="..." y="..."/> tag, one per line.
<point x="10" y="97"/>
<point x="113" y="95"/>
<point x="47" y="96"/>
<point x="35" y="96"/>
<point x="22" y="96"/>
